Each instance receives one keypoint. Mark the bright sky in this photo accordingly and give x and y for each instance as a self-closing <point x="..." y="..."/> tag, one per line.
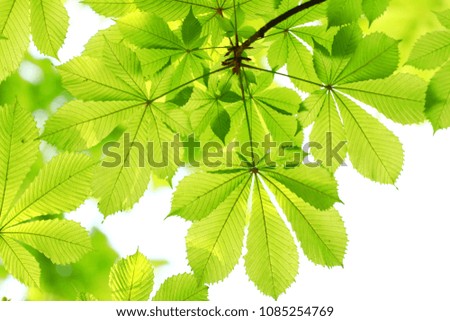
<point x="398" y="256"/>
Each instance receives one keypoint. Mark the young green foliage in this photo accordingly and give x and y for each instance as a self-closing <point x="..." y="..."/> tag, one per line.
<point x="24" y="210"/>
<point x="48" y="21"/>
<point x="131" y="279"/>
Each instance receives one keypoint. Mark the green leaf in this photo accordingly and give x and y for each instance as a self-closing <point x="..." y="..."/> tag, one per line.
<point x="214" y="244"/>
<point x="19" y="262"/>
<point x="221" y="123"/>
<point x="19" y="151"/>
<point x="120" y="184"/>
<point x="374" y="151"/>
<point x="272" y="258"/>
<point x="341" y="12"/>
<point x="182" y="287"/>
<point x="154" y="60"/>
<point x="63" y="242"/>
<point x="399" y="97"/>
<point x="90" y="79"/>
<point x="377" y="56"/>
<point x="81" y="125"/>
<point x="431" y="50"/>
<point x="111" y="8"/>
<point x="191" y="29"/>
<point x="49" y="25"/>
<point x="329" y="133"/>
<point x="313" y="184"/>
<point x="437" y="106"/>
<point x="197" y="203"/>
<point x="14" y="32"/>
<point x="131" y="279"/>
<point x="374" y="8"/>
<point x="148" y="31"/>
<point x="52" y="192"/>
<point x="125" y="65"/>
<point x="321" y="234"/>
<point x="444" y="18"/>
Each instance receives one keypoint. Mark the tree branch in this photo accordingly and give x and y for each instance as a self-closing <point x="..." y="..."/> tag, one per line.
<point x="272" y="23"/>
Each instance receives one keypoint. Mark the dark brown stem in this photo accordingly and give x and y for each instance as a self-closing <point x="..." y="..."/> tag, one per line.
<point x="274" y="22"/>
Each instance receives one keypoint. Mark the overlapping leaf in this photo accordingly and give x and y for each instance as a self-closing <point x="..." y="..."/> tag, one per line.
<point x="131" y="279"/>
<point x="23" y="211"/>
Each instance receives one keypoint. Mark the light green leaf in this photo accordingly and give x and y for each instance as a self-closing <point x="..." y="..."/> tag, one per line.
<point x="89" y="79"/>
<point x="81" y="125"/>
<point x="278" y="52"/>
<point x="111" y="8"/>
<point x="377" y="56"/>
<point x="272" y="258"/>
<point x="311" y="107"/>
<point x="374" y="151"/>
<point x="148" y="31"/>
<point x="19" y="262"/>
<point x="197" y="203"/>
<point x="15" y="33"/>
<point x="49" y="25"/>
<point x="214" y="244"/>
<point x="131" y="279"/>
<point x="399" y="97"/>
<point x="63" y="242"/>
<point x="18" y="152"/>
<point x="182" y="287"/>
<point x="153" y="60"/>
<point x="374" y="8"/>
<point x="444" y="18"/>
<point x="52" y="192"/>
<point x="125" y="65"/>
<point x="341" y="12"/>
<point x="328" y="131"/>
<point x="321" y="234"/>
<point x="313" y="184"/>
<point x="431" y="50"/>
<point x="124" y="174"/>
<point x="437" y="106"/>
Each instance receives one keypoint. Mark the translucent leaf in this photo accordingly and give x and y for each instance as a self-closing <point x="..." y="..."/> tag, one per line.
<point x="214" y="244"/>
<point x="191" y="29"/>
<point x="63" y="242"/>
<point x="374" y="151"/>
<point x="124" y="64"/>
<point x="431" y="50"/>
<point x="444" y="18"/>
<point x="19" y="262"/>
<point x="272" y="258"/>
<point x="315" y="185"/>
<point x="19" y="150"/>
<point x="89" y="79"/>
<point x="14" y="34"/>
<point x="124" y="174"/>
<point x="52" y="192"/>
<point x="49" y="25"/>
<point x="321" y="234"/>
<point x="197" y="203"/>
<point x="131" y="279"/>
<point x="377" y="56"/>
<point x="148" y="31"/>
<point x="437" y="106"/>
<point x="374" y="8"/>
<point x="182" y="287"/>
<point x="329" y="133"/>
<point x="111" y="8"/>
<point x="399" y="97"/>
<point x="341" y="12"/>
<point x="81" y="125"/>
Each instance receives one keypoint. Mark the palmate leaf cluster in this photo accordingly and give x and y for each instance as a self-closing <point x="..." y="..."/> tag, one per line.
<point x="204" y="68"/>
